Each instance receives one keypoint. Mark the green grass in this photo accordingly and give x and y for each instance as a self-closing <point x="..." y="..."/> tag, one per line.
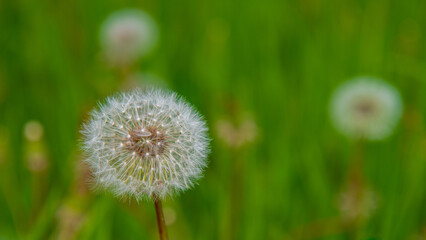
<point x="276" y="61"/>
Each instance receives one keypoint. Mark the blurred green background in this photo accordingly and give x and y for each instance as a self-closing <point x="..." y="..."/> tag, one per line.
<point x="260" y="70"/>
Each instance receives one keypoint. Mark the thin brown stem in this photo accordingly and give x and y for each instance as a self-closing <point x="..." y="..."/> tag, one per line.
<point x="160" y="218"/>
<point x="356" y="183"/>
<point x="357" y="162"/>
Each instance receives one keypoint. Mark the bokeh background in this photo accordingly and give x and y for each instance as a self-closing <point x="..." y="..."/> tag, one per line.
<point x="262" y="73"/>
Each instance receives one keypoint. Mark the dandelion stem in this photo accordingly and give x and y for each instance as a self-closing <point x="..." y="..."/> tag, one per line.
<point x="356" y="174"/>
<point x="124" y="72"/>
<point x="356" y="183"/>
<point x="160" y="218"/>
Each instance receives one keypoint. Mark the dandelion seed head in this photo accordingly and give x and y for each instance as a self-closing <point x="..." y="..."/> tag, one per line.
<point x="127" y="35"/>
<point x="33" y="131"/>
<point x="356" y="203"/>
<point x="366" y="108"/>
<point x="150" y="154"/>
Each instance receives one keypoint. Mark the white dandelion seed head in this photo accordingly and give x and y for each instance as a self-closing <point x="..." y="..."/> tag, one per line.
<point x="366" y="107"/>
<point x="161" y="148"/>
<point x="127" y="35"/>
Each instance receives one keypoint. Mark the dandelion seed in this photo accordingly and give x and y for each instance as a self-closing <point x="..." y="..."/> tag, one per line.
<point x="366" y="108"/>
<point x="146" y="144"/>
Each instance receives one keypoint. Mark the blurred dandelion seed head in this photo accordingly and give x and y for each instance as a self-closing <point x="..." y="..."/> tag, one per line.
<point x="366" y="108"/>
<point x="33" y="131"/>
<point x="356" y="203"/>
<point x="145" y="142"/>
<point x="237" y="136"/>
<point x="127" y="35"/>
<point x="70" y="220"/>
<point x="37" y="162"/>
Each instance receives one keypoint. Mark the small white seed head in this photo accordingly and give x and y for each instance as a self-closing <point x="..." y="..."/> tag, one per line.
<point x="160" y="158"/>
<point x="366" y="107"/>
<point x="127" y="35"/>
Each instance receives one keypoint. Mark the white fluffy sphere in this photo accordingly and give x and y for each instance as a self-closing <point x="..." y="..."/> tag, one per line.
<point x="366" y="107"/>
<point x="127" y="35"/>
<point x="145" y="143"/>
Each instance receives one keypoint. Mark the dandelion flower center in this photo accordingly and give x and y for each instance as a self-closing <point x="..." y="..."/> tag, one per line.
<point x="366" y="107"/>
<point x="125" y="35"/>
<point x="145" y="142"/>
